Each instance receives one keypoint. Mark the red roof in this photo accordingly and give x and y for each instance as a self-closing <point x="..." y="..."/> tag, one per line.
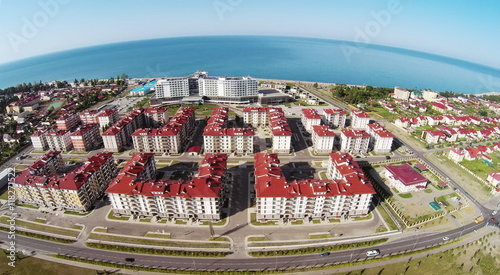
<point x="355" y="133"/>
<point x="379" y="130"/>
<point x="406" y="175"/>
<point x="208" y="182"/>
<point x="310" y="113"/>
<point x="269" y="182"/>
<point x="323" y="131"/>
<point x="335" y="111"/>
<point x="359" y="113"/>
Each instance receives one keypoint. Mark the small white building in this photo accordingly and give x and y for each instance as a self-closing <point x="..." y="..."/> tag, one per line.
<point x="404" y="178"/>
<point x="381" y="139"/>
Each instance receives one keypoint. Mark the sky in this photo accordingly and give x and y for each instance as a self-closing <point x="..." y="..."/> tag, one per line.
<point x="461" y="29"/>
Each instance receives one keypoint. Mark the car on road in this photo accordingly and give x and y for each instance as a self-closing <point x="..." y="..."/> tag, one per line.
<point x="453" y="216"/>
<point x="371" y="253"/>
<point x="387" y="157"/>
<point x="129" y="260"/>
<point x="446" y="239"/>
<point x="325" y="254"/>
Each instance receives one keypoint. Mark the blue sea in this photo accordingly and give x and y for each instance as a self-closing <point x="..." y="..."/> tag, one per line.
<point x="289" y="58"/>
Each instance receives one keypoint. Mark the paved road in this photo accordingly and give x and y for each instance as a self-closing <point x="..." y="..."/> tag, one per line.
<point x="416" y="241"/>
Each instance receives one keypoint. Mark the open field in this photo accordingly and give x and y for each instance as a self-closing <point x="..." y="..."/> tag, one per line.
<point x="32" y="266"/>
<point x="42" y="228"/>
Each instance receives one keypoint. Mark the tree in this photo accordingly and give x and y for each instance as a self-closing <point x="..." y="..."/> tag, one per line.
<point x="123" y="76"/>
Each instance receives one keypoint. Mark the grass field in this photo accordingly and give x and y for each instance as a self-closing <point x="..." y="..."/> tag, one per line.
<point x="155" y="242"/>
<point x="33" y="266"/>
<point x="112" y="217"/>
<point x="42" y="227"/>
<point x="476" y="259"/>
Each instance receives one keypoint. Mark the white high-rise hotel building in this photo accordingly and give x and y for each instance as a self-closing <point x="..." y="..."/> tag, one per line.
<point x="172" y="87"/>
<point x="228" y="86"/>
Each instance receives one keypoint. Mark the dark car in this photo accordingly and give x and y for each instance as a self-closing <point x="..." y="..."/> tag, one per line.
<point x="387" y="157"/>
<point x="453" y="216"/>
<point x="325" y="254"/>
<point x="129" y="260"/>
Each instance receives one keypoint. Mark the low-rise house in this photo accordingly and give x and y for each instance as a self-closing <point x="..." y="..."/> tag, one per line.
<point x="404" y="178"/>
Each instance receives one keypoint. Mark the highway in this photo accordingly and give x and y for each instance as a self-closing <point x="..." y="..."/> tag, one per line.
<point x="414" y="241"/>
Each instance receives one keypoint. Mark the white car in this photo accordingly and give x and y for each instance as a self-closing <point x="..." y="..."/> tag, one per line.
<point x="371" y="253"/>
<point x="446" y="239"/>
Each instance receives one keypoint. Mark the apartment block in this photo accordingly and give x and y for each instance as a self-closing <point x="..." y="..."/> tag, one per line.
<point x="155" y="117"/>
<point x="39" y="141"/>
<point x="334" y="118"/>
<point x="345" y="196"/>
<point x="45" y="185"/>
<point x="119" y="135"/>
<point x="217" y="138"/>
<point x="354" y="141"/>
<point x="171" y="138"/>
<point x="359" y="120"/>
<point x="381" y="139"/>
<point x="103" y="117"/>
<point x="135" y="191"/>
<point x="255" y="116"/>
<point x="309" y="118"/>
<point x="323" y="139"/>
<point x="86" y="138"/>
<point x="107" y="117"/>
<point x="68" y="122"/>
<point x="400" y="93"/>
<point x="59" y="140"/>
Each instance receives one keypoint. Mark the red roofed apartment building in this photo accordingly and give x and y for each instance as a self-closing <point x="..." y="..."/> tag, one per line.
<point x="68" y="121"/>
<point x="135" y="192"/>
<point x="59" y="140"/>
<point x="334" y="118"/>
<point x="309" y="118"/>
<point x="39" y="141"/>
<point x="219" y="139"/>
<point x="359" y="119"/>
<point x="354" y="141"/>
<point x="404" y="178"/>
<point x="171" y="138"/>
<point x="347" y="195"/>
<point x="77" y="190"/>
<point x="119" y="135"/>
<point x="381" y="139"/>
<point x="323" y="139"/>
<point x="276" y="120"/>
<point x="104" y="117"/>
<point x="86" y="138"/>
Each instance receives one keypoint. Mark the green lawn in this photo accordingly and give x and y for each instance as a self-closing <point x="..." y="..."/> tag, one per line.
<point x="405" y="195"/>
<point x="319" y="236"/>
<point x="480" y="168"/>
<point x="253" y="219"/>
<point x="33" y="266"/>
<point x="367" y="217"/>
<point x="387" y="218"/>
<point x="258" y="239"/>
<point x="159" y="236"/>
<point x="155" y="242"/>
<point x="112" y="217"/>
<point x="42" y="228"/>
